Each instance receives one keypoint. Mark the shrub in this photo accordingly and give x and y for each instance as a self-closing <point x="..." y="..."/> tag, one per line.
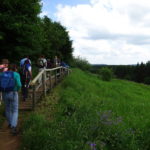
<point x="81" y="63"/>
<point x="147" y="80"/>
<point x="106" y="74"/>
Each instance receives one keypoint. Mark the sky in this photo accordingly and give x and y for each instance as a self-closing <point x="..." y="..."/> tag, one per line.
<point x="105" y="31"/>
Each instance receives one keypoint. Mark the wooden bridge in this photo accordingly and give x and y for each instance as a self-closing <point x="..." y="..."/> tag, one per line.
<point x="41" y="84"/>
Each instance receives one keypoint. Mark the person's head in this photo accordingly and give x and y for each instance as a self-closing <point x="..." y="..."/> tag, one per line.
<point x="12" y="67"/>
<point x="27" y="61"/>
<point x="26" y="56"/>
<point x="42" y="56"/>
<point x="5" y="61"/>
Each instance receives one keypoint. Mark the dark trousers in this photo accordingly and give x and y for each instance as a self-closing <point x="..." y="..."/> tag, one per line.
<point x="25" y="87"/>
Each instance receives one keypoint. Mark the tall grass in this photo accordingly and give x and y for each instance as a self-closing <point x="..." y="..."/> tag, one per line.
<point x="92" y="114"/>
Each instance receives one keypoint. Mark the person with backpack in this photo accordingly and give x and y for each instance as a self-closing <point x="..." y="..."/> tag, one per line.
<point x="9" y="86"/>
<point x="49" y="64"/>
<point x="3" y="68"/>
<point x="63" y="64"/>
<point x="26" y="76"/>
<point x="23" y="60"/>
<point x="42" y="63"/>
<point x="56" y="61"/>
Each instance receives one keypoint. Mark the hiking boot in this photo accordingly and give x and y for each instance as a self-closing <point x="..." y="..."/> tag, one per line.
<point x="9" y="126"/>
<point x="14" y="131"/>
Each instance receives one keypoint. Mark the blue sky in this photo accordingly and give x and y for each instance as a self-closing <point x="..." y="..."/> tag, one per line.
<point x="105" y="31"/>
<point x="50" y="5"/>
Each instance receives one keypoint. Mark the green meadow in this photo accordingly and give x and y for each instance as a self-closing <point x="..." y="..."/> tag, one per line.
<point x="85" y="113"/>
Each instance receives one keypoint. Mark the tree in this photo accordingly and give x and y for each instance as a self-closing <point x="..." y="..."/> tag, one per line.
<point x="56" y="40"/>
<point x="20" y="32"/>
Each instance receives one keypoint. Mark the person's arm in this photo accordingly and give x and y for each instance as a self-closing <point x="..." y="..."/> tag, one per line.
<point x="45" y="62"/>
<point x="30" y="71"/>
<point x="17" y="81"/>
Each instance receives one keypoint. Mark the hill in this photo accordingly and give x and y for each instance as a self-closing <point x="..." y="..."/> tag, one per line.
<point x="87" y="113"/>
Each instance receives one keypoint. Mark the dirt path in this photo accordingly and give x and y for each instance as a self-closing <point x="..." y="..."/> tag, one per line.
<point x="7" y="140"/>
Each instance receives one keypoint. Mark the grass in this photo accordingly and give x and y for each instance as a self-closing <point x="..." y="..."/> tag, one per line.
<point x="91" y="114"/>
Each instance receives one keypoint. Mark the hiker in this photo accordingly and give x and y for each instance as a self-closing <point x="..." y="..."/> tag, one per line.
<point x="26" y="75"/>
<point x="4" y="65"/>
<point x="63" y="64"/>
<point x="9" y="86"/>
<point x="42" y="63"/>
<point x="49" y="64"/>
<point x="56" y="61"/>
<point x="23" y="60"/>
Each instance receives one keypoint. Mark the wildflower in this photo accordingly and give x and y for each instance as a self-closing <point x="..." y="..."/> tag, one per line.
<point x="93" y="146"/>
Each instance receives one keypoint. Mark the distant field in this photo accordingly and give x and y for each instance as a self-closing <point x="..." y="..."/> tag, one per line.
<point x="91" y="114"/>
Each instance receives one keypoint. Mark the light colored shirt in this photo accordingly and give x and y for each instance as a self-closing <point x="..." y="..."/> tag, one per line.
<point x="23" y="60"/>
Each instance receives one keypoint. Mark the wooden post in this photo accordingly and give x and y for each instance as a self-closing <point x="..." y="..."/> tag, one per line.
<point x="50" y="79"/>
<point x="55" y="76"/>
<point x="44" y="82"/>
<point x="33" y="98"/>
<point x="61" y="74"/>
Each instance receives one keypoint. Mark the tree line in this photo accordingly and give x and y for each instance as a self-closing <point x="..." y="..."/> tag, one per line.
<point x="138" y="73"/>
<point x="24" y="33"/>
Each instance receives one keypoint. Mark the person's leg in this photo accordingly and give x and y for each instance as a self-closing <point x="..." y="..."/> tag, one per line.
<point x="23" y="90"/>
<point x="27" y="87"/>
<point x="6" y="98"/>
<point x="14" y="110"/>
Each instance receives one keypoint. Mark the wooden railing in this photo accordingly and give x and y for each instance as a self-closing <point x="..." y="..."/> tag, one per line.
<point x="42" y="83"/>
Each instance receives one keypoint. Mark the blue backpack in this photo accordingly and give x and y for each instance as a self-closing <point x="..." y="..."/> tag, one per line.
<point x="7" y="81"/>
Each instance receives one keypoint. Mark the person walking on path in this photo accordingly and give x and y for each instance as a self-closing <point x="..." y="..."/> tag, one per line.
<point x="22" y="61"/>
<point x="42" y="63"/>
<point x="49" y="64"/>
<point x="9" y="85"/>
<point x="56" y="61"/>
<point x="26" y="76"/>
<point x="3" y="68"/>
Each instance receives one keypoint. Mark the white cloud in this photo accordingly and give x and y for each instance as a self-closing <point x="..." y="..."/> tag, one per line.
<point x="44" y="13"/>
<point x="109" y="31"/>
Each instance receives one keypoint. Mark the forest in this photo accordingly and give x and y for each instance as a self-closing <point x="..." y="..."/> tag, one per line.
<point x="139" y="73"/>
<point x="24" y="33"/>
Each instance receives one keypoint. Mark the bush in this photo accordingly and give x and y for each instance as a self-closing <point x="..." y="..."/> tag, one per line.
<point x="81" y="63"/>
<point x="106" y="74"/>
<point x="147" y="80"/>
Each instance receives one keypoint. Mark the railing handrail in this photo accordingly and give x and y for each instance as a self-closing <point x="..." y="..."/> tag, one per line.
<point x="53" y="69"/>
<point x="37" y="77"/>
<point x="41" y="72"/>
<point x="44" y="81"/>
